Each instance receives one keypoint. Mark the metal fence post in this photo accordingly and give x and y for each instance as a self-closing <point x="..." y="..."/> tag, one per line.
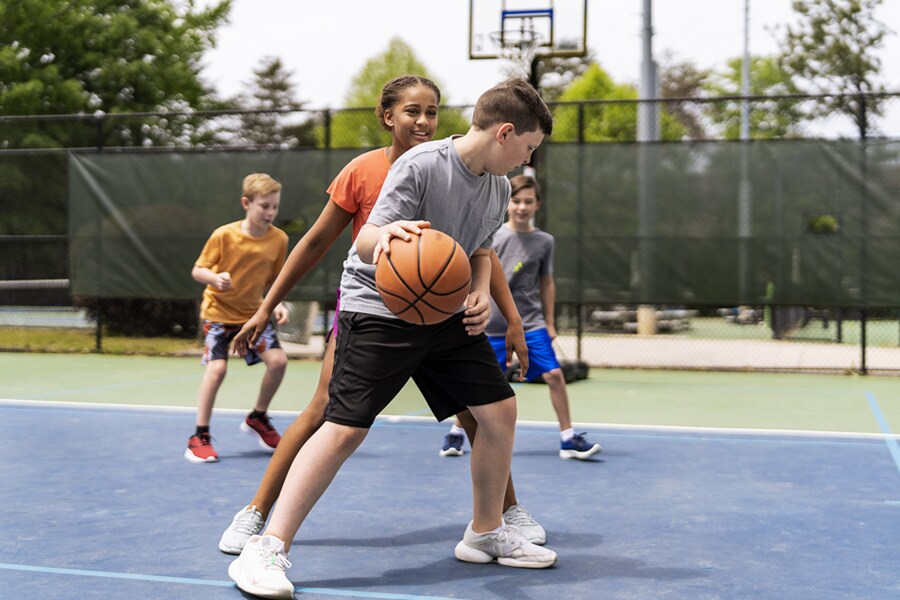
<point x="862" y="341"/>
<point x="326" y="124"/>
<point x="98" y="336"/>
<point x="580" y="268"/>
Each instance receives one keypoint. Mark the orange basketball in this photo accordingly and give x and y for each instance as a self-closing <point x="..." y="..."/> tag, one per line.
<point x="425" y="280"/>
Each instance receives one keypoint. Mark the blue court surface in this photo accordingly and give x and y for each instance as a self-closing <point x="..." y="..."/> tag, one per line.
<point x="99" y="503"/>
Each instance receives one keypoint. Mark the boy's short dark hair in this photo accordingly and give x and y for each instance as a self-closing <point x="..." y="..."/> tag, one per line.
<point x="523" y="182"/>
<point x="513" y="101"/>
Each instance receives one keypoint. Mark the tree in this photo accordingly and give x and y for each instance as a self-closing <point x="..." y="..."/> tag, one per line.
<point x="832" y="48"/>
<point x="556" y="73"/>
<point x="683" y="79"/>
<point x="608" y="121"/>
<point x="105" y="56"/>
<point x="771" y="118"/>
<point x="273" y="90"/>
<point x="360" y="128"/>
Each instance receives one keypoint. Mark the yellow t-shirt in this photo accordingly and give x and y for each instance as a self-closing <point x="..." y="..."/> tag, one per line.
<point x="253" y="264"/>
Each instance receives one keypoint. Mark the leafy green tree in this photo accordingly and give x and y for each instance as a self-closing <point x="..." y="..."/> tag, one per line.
<point x="272" y="90"/>
<point x="770" y="118"/>
<point x="105" y="56"/>
<point x="360" y="128"/>
<point x="832" y="48"/>
<point x="614" y="121"/>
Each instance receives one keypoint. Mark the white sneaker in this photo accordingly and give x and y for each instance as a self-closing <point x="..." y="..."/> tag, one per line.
<point x="259" y="570"/>
<point x="517" y="516"/>
<point x="508" y="547"/>
<point x="248" y="521"/>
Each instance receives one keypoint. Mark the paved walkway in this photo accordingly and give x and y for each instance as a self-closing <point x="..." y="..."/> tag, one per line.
<point x="671" y="352"/>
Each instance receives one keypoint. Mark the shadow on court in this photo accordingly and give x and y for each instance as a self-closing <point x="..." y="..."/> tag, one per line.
<point x="99" y="503"/>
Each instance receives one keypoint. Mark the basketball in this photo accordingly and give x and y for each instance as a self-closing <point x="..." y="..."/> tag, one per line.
<point x="425" y="280"/>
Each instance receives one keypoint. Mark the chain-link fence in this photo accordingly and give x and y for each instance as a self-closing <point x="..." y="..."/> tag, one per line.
<point x="698" y="251"/>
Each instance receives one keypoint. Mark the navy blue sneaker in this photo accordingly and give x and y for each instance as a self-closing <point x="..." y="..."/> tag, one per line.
<point x="578" y="447"/>
<point x="453" y="445"/>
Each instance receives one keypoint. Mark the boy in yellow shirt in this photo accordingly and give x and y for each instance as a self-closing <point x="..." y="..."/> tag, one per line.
<point x="238" y="264"/>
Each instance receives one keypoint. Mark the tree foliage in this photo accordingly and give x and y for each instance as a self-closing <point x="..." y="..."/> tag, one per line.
<point x="608" y="121"/>
<point x="556" y="73"/>
<point x="832" y="48"/>
<point x="352" y="129"/>
<point x="769" y="119"/>
<point x="105" y="56"/>
<point x="272" y="90"/>
<point x="683" y="79"/>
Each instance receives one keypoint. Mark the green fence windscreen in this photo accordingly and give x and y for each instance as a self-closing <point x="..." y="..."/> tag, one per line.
<point x="716" y="223"/>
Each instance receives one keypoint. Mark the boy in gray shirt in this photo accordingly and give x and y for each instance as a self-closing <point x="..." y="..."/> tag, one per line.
<point x="526" y="254"/>
<point x="459" y="186"/>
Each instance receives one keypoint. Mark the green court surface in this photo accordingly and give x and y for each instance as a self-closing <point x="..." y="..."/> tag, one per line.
<point x="833" y="403"/>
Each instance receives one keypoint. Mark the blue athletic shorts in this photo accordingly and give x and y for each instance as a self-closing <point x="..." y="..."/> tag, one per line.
<point x="217" y="341"/>
<point x="541" y="357"/>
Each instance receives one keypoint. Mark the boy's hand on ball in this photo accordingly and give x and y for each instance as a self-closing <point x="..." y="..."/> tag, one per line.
<point x="478" y="309"/>
<point x="398" y="229"/>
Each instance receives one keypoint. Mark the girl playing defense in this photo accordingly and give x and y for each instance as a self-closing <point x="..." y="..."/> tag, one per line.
<point x="408" y="108"/>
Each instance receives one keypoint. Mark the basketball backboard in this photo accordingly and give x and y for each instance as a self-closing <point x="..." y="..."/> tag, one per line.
<point x="511" y="28"/>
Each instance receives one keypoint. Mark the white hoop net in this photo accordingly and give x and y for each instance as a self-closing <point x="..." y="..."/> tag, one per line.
<point x="518" y="46"/>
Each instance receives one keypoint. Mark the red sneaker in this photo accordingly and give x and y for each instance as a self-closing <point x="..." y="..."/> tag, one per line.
<point x="200" y="449"/>
<point x="262" y="428"/>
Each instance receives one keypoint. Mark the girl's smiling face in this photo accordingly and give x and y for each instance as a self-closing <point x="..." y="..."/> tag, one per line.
<point x="413" y="119"/>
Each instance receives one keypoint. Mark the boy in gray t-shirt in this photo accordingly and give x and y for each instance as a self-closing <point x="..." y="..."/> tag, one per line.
<point x="459" y="186"/>
<point x="526" y="254"/>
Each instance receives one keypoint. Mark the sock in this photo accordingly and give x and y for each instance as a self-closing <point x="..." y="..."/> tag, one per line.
<point x="454" y="430"/>
<point x="255" y="414"/>
<point x="493" y="531"/>
<point x="567" y="435"/>
<point x="202" y="429"/>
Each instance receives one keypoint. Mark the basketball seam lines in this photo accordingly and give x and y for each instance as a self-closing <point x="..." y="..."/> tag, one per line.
<point x="426" y="287"/>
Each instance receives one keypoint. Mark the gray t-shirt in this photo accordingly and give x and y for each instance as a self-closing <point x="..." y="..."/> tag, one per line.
<point x="525" y="258"/>
<point x="431" y="183"/>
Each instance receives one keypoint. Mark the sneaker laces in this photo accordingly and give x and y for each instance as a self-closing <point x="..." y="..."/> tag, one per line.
<point x="579" y="440"/>
<point x="512" y="537"/>
<point x="519" y="516"/>
<point x="204" y="438"/>
<point x="244" y="522"/>
<point x="273" y="559"/>
<point x="264" y="421"/>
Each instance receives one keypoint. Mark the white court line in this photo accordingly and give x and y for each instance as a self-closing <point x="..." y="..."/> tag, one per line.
<point x="430" y="419"/>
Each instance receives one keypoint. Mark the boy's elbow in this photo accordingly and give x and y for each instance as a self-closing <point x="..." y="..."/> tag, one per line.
<point x="365" y="243"/>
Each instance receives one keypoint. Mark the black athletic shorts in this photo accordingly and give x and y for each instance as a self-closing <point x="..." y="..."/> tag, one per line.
<point x="376" y="356"/>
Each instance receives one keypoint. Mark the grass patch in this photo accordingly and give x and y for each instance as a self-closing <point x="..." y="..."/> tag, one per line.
<point x="53" y="339"/>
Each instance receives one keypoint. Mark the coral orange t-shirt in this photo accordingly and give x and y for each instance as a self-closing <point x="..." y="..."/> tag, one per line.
<point x="253" y="263"/>
<point x="356" y="187"/>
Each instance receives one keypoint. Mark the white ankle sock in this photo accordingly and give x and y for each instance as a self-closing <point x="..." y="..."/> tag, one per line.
<point x="454" y="430"/>
<point x="567" y="435"/>
<point x="492" y="532"/>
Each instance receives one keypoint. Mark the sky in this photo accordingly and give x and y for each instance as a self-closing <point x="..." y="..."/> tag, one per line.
<point x="324" y="44"/>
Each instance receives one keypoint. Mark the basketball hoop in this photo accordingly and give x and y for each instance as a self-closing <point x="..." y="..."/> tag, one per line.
<point x="517" y="45"/>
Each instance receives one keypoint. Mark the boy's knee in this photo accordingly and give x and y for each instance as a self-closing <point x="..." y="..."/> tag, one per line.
<point x="277" y="362"/>
<point x="554" y="377"/>
<point x="348" y="437"/>
<point x="217" y="368"/>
